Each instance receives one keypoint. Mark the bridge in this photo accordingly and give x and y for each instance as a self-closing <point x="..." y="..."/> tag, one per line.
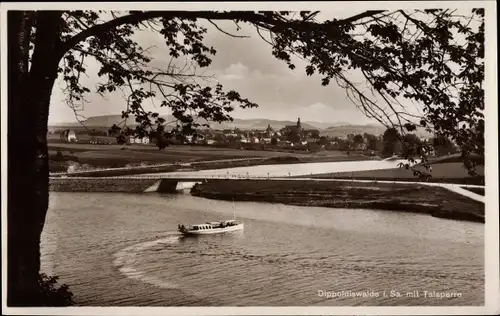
<point x="176" y="180"/>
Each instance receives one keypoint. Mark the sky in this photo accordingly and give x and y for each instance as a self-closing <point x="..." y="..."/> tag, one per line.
<point x="245" y="65"/>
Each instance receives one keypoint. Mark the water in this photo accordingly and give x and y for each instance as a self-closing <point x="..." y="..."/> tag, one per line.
<point x="283" y="170"/>
<point x="122" y="249"/>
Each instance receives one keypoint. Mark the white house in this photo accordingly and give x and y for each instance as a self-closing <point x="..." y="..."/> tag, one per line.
<point x="139" y="140"/>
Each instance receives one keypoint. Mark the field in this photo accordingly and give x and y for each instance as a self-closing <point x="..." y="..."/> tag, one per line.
<point x="115" y="156"/>
<point x="449" y="172"/>
<point x="417" y="198"/>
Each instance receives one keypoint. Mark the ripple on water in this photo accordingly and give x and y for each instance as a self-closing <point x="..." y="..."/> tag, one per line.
<point x="126" y="261"/>
<point x="128" y="256"/>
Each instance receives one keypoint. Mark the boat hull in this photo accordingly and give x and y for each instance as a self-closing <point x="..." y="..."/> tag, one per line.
<point x="214" y="230"/>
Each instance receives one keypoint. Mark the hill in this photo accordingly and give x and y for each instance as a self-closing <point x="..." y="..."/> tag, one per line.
<point x="260" y="124"/>
<point x="108" y="121"/>
<point x="344" y="130"/>
<point x="326" y="129"/>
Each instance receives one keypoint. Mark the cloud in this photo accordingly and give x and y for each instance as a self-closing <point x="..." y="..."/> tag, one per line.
<point x="245" y="65"/>
<point x="236" y="71"/>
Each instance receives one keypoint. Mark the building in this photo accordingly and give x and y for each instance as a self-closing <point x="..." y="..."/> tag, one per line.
<point x="139" y="140"/>
<point x="269" y="131"/>
<point x="297" y="129"/>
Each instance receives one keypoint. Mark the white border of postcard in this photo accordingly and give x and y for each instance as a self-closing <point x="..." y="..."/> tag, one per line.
<point x="492" y="290"/>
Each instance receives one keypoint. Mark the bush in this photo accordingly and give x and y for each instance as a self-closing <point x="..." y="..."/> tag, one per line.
<point x="51" y="295"/>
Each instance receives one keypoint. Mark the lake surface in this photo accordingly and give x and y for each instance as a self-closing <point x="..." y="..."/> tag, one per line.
<point x="123" y="249"/>
<point x="283" y="170"/>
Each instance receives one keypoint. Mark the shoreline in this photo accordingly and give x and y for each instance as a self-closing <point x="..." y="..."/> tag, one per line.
<point x="413" y="198"/>
<point x="398" y="197"/>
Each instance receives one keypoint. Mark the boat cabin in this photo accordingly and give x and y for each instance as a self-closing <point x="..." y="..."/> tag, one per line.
<point x="230" y="223"/>
<point x="202" y="227"/>
<point x="212" y="225"/>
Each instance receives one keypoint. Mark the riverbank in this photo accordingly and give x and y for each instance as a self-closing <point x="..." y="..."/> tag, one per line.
<point x="435" y="201"/>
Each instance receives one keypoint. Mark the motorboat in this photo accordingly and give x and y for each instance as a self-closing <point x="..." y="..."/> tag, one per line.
<point x="208" y="228"/>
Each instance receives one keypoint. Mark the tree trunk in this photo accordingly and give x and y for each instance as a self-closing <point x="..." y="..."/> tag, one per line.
<point x="28" y="108"/>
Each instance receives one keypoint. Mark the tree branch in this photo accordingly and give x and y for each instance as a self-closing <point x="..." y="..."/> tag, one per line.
<point x="229" y="34"/>
<point x="248" y="16"/>
<point x="360" y="16"/>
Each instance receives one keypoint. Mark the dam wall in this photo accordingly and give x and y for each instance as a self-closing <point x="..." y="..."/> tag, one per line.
<point x="117" y="185"/>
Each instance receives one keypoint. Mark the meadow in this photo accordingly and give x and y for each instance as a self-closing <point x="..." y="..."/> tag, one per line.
<point x="118" y="156"/>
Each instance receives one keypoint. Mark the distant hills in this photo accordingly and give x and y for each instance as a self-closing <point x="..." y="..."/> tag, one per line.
<point x="97" y="122"/>
<point x="109" y="120"/>
<point x="262" y="124"/>
<point x="327" y="129"/>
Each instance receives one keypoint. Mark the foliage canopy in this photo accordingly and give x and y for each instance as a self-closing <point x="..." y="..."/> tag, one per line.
<point x="434" y="58"/>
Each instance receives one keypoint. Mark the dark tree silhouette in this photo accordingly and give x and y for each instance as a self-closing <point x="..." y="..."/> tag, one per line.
<point x="358" y="139"/>
<point x="433" y="57"/>
<point x="443" y="145"/>
<point x="293" y="136"/>
<point x="274" y="141"/>
<point x="391" y="139"/>
<point x="412" y="145"/>
<point x="323" y="140"/>
<point x="372" y="144"/>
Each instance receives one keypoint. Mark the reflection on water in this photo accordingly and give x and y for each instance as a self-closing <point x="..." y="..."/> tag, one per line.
<point x="123" y="249"/>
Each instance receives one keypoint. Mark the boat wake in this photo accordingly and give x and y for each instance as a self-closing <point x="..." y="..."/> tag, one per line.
<point x="126" y="260"/>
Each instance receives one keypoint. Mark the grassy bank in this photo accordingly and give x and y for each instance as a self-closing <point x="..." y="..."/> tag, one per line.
<point x="434" y="201"/>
